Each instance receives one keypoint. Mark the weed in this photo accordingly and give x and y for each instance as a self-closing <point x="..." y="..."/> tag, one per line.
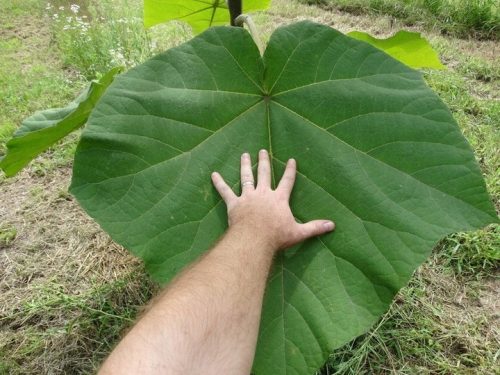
<point x="96" y="38"/>
<point x="7" y="234"/>
<point x="474" y="254"/>
<point x="100" y="35"/>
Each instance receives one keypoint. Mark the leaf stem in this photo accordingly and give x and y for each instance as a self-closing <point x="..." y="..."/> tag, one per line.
<point x="246" y="19"/>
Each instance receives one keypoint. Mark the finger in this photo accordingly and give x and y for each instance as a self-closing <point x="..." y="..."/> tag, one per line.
<point x="247" y="180"/>
<point x="264" y="170"/>
<point x="224" y="190"/>
<point x="288" y="180"/>
<point x="315" y="228"/>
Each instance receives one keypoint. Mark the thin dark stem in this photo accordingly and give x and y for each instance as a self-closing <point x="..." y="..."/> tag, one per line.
<point x="235" y="9"/>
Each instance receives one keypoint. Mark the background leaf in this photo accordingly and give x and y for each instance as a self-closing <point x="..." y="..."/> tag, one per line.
<point x="42" y="130"/>
<point x="377" y="151"/>
<point x="199" y="14"/>
<point x="410" y="48"/>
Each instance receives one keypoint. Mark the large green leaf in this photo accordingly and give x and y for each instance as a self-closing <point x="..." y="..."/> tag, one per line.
<point x="200" y="14"/>
<point x="405" y="46"/>
<point x="377" y="151"/>
<point x="42" y="130"/>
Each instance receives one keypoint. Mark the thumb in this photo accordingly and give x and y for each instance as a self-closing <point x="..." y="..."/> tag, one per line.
<point x="316" y="228"/>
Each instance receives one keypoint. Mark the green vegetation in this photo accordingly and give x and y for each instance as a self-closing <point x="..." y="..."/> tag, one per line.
<point x="75" y="31"/>
<point x="391" y="158"/>
<point x="96" y="36"/>
<point x="61" y="276"/>
<point x="7" y="235"/>
<point x="475" y="18"/>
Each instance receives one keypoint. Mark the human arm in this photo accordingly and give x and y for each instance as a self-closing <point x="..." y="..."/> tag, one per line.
<point x="207" y="320"/>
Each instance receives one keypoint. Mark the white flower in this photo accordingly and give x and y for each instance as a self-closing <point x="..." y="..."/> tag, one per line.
<point x="48" y="7"/>
<point x="74" y="8"/>
<point x="61" y="8"/>
<point x="117" y="56"/>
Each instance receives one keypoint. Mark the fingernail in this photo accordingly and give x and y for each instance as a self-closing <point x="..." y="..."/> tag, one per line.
<point x="328" y="225"/>
<point x="263" y="151"/>
<point x="245" y="155"/>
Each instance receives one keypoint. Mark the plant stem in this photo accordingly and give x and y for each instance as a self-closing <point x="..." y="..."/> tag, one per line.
<point x="235" y="9"/>
<point x="246" y="19"/>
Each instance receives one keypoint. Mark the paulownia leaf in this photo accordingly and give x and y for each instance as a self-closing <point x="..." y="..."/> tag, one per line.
<point x="410" y="48"/>
<point x="199" y="14"/>
<point x="377" y="151"/>
<point x="42" y="130"/>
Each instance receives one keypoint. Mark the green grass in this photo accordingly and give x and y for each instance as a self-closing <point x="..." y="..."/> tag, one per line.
<point x="7" y="234"/>
<point x="476" y="18"/>
<point x="473" y="254"/>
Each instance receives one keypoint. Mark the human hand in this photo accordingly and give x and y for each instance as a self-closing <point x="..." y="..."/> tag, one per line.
<point x="265" y="213"/>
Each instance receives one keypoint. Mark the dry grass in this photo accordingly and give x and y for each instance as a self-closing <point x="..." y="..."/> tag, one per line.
<point x="67" y="291"/>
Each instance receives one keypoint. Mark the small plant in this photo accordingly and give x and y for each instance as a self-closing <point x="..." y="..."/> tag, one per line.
<point x="96" y="38"/>
<point x="7" y="235"/>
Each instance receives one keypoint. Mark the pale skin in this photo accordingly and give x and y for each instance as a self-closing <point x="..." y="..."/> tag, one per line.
<point x="207" y="320"/>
